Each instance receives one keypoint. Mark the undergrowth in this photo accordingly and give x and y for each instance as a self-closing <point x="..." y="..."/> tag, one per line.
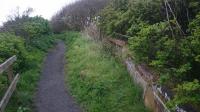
<point x="23" y="98"/>
<point x="97" y="80"/>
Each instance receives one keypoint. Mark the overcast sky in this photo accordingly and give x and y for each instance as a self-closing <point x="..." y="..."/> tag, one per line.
<point x="45" y="8"/>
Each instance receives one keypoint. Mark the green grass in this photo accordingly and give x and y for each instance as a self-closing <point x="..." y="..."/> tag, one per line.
<point x="97" y="80"/>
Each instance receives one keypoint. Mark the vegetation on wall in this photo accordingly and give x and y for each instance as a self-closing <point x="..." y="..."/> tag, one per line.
<point x="165" y="35"/>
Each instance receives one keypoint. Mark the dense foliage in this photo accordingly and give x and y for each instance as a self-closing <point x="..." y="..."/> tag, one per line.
<point x="35" y="27"/>
<point x="28" y="38"/>
<point x="164" y="34"/>
<point x="26" y="27"/>
<point x="76" y="15"/>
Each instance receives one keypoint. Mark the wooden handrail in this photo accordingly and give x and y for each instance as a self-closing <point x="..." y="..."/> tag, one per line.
<point x="9" y="93"/>
<point x="7" y="67"/>
<point x="4" y="66"/>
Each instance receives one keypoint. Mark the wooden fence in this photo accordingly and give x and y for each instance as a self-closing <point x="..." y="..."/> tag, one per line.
<point x="8" y="68"/>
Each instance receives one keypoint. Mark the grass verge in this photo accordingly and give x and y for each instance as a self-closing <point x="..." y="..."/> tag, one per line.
<point x="97" y="80"/>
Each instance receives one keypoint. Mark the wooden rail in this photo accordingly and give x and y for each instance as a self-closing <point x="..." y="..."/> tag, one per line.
<point x="7" y="67"/>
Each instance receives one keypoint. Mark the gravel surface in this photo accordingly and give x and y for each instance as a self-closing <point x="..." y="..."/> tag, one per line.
<point x="52" y="95"/>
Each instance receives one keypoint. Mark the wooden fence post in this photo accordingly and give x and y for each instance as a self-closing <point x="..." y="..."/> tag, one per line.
<point x="10" y="73"/>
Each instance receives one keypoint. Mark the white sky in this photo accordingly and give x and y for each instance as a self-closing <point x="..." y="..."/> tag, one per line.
<point x="45" y="8"/>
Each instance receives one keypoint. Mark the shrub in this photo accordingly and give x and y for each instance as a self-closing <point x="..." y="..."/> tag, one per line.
<point x="43" y="42"/>
<point x="13" y="45"/>
<point x="186" y="93"/>
<point x="164" y="36"/>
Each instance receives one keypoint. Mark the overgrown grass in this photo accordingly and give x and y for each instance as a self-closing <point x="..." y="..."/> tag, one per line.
<point x="97" y="80"/>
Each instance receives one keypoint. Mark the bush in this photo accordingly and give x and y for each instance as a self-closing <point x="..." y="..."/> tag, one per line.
<point x="29" y="38"/>
<point x="149" y="41"/>
<point x="12" y="45"/>
<point x="43" y="42"/>
<point x="171" y="46"/>
<point x="187" y="93"/>
<point x="36" y="26"/>
<point x="124" y="16"/>
<point x="27" y="27"/>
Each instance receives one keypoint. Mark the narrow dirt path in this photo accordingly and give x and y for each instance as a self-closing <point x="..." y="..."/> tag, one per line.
<point x="52" y="95"/>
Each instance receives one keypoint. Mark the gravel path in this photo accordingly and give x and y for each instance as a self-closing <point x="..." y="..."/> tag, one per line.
<point x="52" y="95"/>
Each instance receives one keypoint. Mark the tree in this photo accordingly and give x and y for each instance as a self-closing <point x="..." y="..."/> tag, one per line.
<point x="27" y="27"/>
<point x="75" y="16"/>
